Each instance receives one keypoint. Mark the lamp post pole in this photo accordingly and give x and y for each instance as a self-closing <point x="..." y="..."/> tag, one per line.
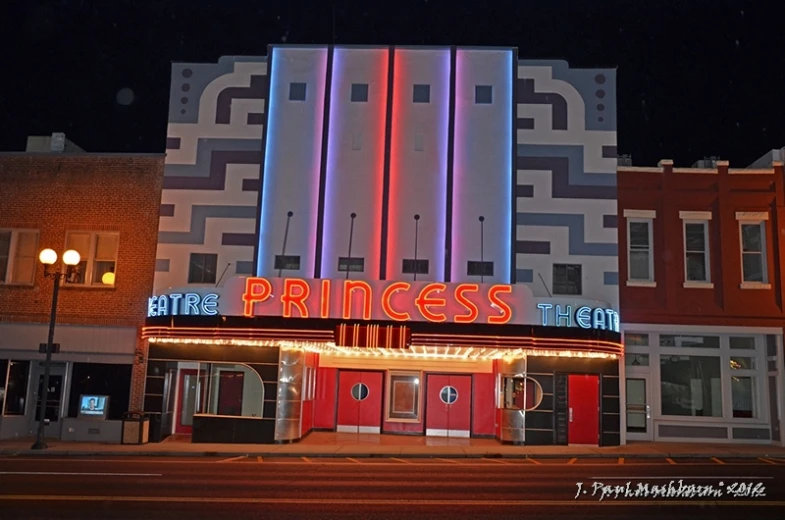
<point x="44" y="392"/>
<point x="48" y="257"/>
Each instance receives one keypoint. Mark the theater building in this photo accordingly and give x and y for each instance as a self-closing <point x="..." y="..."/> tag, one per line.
<point x="702" y="301"/>
<point x="409" y="240"/>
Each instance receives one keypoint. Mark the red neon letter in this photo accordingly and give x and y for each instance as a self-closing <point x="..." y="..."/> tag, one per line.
<point x="504" y="307"/>
<point x="289" y="298"/>
<point x="387" y="305"/>
<point x="325" y="302"/>
<point x="474" y="312"/>
<point x="348" y="288"/>
<point x="252" y="296"/>
<point x="423" y="302"/>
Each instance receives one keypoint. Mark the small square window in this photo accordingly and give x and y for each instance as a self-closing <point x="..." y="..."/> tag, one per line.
<point x="359" y="92"/>
<point x="474" y="268"/>
<point x="483" y="94"/>
<point x="287" y="262"/>
<point x="567" y="279"/>
<point x="418" y="266"/>
<point x="202" y="268"/>
<point x="297" y="91"/>
<point x="352" y="265"/>
<point x="421" y="94"/>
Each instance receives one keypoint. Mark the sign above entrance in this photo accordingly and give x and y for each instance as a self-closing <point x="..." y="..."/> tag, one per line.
<point x="583" y="316"/>
<point x="183" y="304"/>
<point x="385" y="300"/>
<point x="390" y="301"/>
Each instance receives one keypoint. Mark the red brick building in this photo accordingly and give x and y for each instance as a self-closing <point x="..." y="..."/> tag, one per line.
<point x="105" y="206"/>
<point x="702" y="301"/>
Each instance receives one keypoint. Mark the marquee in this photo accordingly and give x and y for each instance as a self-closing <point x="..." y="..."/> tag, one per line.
<point x="379" y="300"/>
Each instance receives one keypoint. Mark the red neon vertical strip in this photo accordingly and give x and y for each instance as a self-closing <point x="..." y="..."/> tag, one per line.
<point x="393" y="239"/>
<point x="382" y="68"/>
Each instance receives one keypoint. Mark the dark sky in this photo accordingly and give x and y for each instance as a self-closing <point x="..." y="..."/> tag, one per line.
<point x="696" y="77"/>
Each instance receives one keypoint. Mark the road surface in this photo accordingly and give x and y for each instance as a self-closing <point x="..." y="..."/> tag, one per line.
<point x="387" y="488"/>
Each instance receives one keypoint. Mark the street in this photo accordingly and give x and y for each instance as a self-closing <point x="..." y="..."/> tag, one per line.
<point x="382" y="488"/>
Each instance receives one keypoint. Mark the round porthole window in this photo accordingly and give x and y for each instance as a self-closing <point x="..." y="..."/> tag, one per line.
<point x="448" y="395"/>
<point x="360" y="392"/>
<point x="534" y="393"/>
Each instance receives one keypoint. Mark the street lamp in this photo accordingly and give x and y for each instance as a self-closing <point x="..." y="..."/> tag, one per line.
<point x="48" y="257"/>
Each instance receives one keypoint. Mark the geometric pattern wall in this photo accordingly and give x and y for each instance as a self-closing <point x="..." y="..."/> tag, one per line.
<point x="211" y="179"/>
<point x="566" y="176"/>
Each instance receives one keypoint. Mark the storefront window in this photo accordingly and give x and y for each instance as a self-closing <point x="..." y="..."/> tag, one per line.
<point x="16" y="387"/>
<point x="743" y="396"/>
<point x="742" y="363"/>
<point x="232" y="390"/>
<point x="671" y="340"/>
<point x="742" y="342"/>
<point x="101" y="379"/>
<point x="691" y="386"/>
<point x="521" y="393"/>
<point x="404" y="391"/>
<point x="632" y="339"/>
<point x="636" y="360"/>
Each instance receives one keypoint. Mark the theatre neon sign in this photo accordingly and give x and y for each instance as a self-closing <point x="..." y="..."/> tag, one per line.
<point x="384" y="300"/>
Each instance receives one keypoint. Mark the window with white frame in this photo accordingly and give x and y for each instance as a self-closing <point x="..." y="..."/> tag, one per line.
<point x="640" y="261"/>
<point x="714" y="376"/>
<point x="696" y="251"/>
<point x="98" y="252"/>
<point x="752" y="230"/>
<point x="18" y="249"/>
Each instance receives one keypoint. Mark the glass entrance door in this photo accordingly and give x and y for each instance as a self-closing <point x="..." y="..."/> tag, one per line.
<point x="186" y="405"/>
<point x="53" y="403"/>
<point x="639" y="427"/>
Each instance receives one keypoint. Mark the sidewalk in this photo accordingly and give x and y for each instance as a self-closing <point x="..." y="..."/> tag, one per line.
<point x="326" y="444"/>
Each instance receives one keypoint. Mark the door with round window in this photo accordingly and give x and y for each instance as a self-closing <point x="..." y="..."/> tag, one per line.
<point x="448" y="408"/>
<point x="359" y="402"/>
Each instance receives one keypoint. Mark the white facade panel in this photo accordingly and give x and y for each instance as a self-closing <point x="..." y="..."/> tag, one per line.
<point x="418" y="161"/>
<point x="355" y="161"/>
<point x="292" y="164"/>
<point x="482" y="167"/>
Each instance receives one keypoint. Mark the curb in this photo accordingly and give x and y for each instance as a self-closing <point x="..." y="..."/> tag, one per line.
<point x="366" y="455"/>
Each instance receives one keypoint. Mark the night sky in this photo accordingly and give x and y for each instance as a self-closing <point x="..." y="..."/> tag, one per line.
<point x="695" y="77"/>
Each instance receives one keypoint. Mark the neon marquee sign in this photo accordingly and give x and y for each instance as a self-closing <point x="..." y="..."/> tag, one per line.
<point x="583" y="316"/>
<point x="384" y="300"/>
<point x="182" y="304"/>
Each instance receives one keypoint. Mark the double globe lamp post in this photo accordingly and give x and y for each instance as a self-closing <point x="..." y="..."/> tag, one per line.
<point x="48" y="257"/>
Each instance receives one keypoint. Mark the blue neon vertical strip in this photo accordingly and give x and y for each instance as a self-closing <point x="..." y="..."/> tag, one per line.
<point x="334" y="130"/>
<point x="319" y="101"/>
<point x="445" y="138"/>
<point x="269" y="164"/>
<point x="507" y="272"/>
<point x="459" y="140"/>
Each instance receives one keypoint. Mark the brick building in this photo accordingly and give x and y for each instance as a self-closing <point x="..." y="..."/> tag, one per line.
<point x="106" y="207"/>
<point x="702" y="295"/>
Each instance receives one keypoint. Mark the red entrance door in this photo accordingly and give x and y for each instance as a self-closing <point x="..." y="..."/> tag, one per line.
<point x="583" y="400"/>
<point x="359" y="402"/>
<point x="448" y="406"/>
<point x="186" y="401"/>
<point x="230" y="393"/>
